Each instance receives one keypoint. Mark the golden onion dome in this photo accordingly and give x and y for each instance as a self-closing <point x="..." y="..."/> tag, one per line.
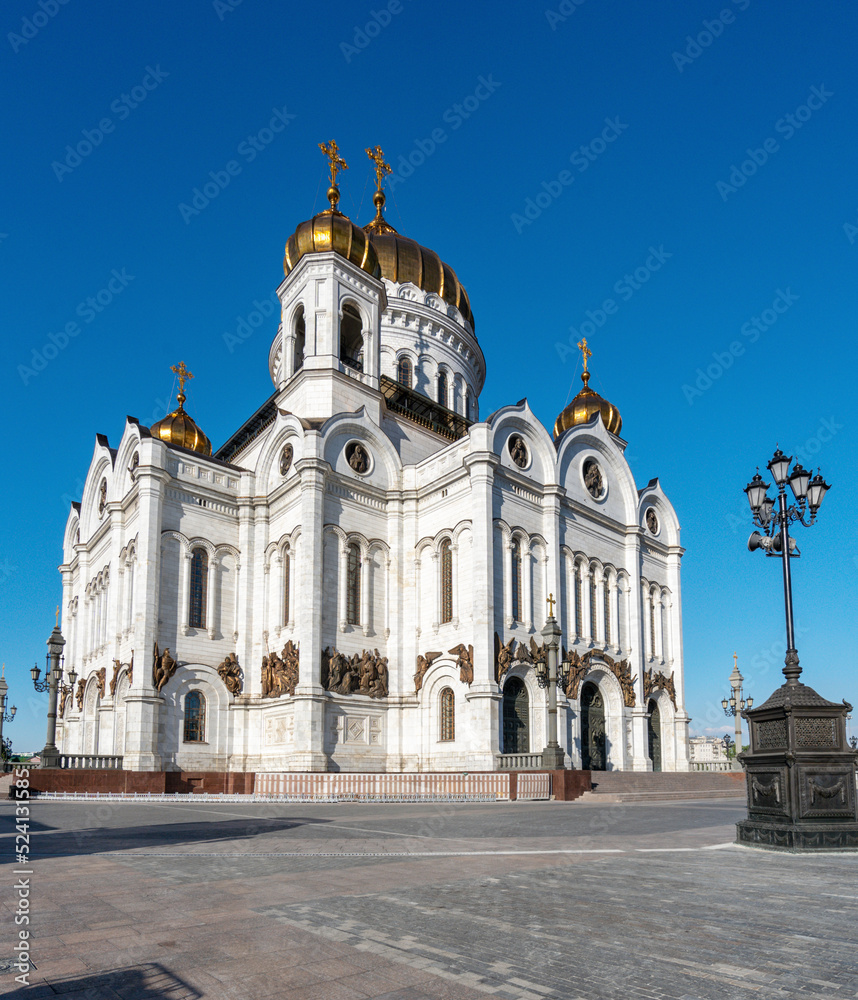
<point x="331" y="230"/>
<point x="177" y="428"/>
<point x="402" y="259"/>
<point x="586" y="405"/>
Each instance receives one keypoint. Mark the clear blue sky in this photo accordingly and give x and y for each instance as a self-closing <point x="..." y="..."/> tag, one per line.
<point x="511" y="94"/>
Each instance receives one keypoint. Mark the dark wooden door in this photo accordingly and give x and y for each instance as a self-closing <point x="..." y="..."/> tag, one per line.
<point x="593" y="739"/>
<point x="516" y="717"/>
<point x="654" y="736"/>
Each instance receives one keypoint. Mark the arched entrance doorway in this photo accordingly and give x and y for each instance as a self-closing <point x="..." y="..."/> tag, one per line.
<point x="593" y="742"/>
<point x="516" y="717"/>
<point x="654" y="727"/>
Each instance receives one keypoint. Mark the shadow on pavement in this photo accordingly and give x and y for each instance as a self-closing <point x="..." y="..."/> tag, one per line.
<point x="141" y="982"/>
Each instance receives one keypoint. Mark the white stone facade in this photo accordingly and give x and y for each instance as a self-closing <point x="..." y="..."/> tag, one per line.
<point x="425" y="498"/>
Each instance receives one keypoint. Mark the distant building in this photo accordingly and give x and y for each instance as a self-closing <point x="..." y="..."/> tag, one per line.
<point x="707" y="748"/>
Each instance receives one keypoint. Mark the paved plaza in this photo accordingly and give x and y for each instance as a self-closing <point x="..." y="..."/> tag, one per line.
<point x="519" y="901"/>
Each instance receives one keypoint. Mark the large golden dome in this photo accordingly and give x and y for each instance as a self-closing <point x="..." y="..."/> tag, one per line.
<point x="402" y="259"/>
<point x="586" y="405"/>
<point x="177" y="428"/>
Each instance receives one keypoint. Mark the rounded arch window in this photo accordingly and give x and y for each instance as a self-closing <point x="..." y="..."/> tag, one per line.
<point x="443" y="390"/>
<point x="199" y="586"/>
<point x="447" y="720"/>
<point x="351" y="338"/>
<point x="405" y="372"/>
<point x="195" y="717"/>
<point x="353" y="567"/>
<point x="446" y="581"/>
<point x="300" y="329"/>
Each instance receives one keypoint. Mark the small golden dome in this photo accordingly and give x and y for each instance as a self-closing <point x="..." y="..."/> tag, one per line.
<point x="586" y="405"/>
<point x="331" y="230"/>
<point x="177" y="428"/>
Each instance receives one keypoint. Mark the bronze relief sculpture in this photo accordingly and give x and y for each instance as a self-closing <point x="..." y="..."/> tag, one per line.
<point x="362" y="673"/>
<point x="358" y="458"/>
<point x="286" y="459"/>
<point x="163" y="667"/>
<point x="654" y="679"/>
<point x="593" y="479"/>
<point x="518" y="451"/>
<point x="465" y="662"/>
<point x="100" y="681"/>
<point x="424" y="662"/>
<point x="230" y="673"/>
<point x="652" y="521"/>
<point x="81" y="687"/>
<point x="280" y="672"/>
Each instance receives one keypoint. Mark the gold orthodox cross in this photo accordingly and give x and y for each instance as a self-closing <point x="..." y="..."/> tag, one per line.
<point x="332" y="151"/>
<point x="550" y="602"/>
<point x="183" y="374"/>
<point x="381" y="168"/>
<point x="585" y="350"/>
<point x="57" y="618"/>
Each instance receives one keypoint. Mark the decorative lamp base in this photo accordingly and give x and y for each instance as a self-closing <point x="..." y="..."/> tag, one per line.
<point x="797" y="837"/>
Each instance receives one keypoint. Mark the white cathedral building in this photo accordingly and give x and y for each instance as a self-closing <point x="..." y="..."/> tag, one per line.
<point x="357" y="579"/>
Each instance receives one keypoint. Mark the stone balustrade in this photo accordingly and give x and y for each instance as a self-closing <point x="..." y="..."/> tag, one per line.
<point x="75" y="761"/>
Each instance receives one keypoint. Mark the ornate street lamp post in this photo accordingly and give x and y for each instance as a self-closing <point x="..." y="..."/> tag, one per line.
<point x="735" y="705"/>
<point x="4" y="716"/>
<point x="53" y="676"/>
<point x="800" y="769"/>
<point x="548" y="675"/>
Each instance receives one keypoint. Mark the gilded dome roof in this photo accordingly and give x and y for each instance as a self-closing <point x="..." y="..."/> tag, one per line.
<point x="331" y="230"/>
<point x="402" y="259"/>
<point x="584" y="407"/>
<point x="177" y="428"/>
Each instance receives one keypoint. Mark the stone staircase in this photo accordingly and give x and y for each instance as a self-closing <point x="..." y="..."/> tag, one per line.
<point x="639" y="786"/>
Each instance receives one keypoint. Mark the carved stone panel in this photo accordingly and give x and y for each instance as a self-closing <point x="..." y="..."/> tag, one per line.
<point x="279" y="729"/>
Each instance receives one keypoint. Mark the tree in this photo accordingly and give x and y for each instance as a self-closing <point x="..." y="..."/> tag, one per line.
<point x="729" y="745"/>
<point x="6" y="749"/>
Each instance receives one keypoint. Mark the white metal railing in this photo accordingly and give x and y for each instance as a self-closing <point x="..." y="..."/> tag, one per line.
<point x="74" y="761"/>
<point x="712" y="765"/>
<point x="519" y="761"/>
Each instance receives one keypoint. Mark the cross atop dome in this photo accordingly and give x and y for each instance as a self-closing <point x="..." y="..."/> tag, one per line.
<point x="379" y="224"/>
<point x="184" y="376"/>
<point x="332" y="151"/>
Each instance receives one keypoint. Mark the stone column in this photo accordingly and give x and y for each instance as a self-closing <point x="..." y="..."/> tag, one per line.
<point x="143" y="704"/>
<point x="483" y="697"/>
<point x="309" y="698"/>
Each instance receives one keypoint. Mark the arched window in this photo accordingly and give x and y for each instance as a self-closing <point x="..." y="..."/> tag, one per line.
<point x="300" y="339"/>
<point x="516" y="580"/>
<point x="195" y="717"/>
<point x="447" y="727"/>
<point x="593" y="606"/>
<point x="606" y="594"/>
<point x="353" y="585"/>
<point x="443" y="395"/>
<point x="446" y="581"/>
<point x="651" y="603"/>
<point x="129" y="605"/>
<point x="286" y="566"/>
<point x="404" y="372"/>
<point x="199" y="584"/>
<point x="579" y="605"/>
<point x="351" y="338"/>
